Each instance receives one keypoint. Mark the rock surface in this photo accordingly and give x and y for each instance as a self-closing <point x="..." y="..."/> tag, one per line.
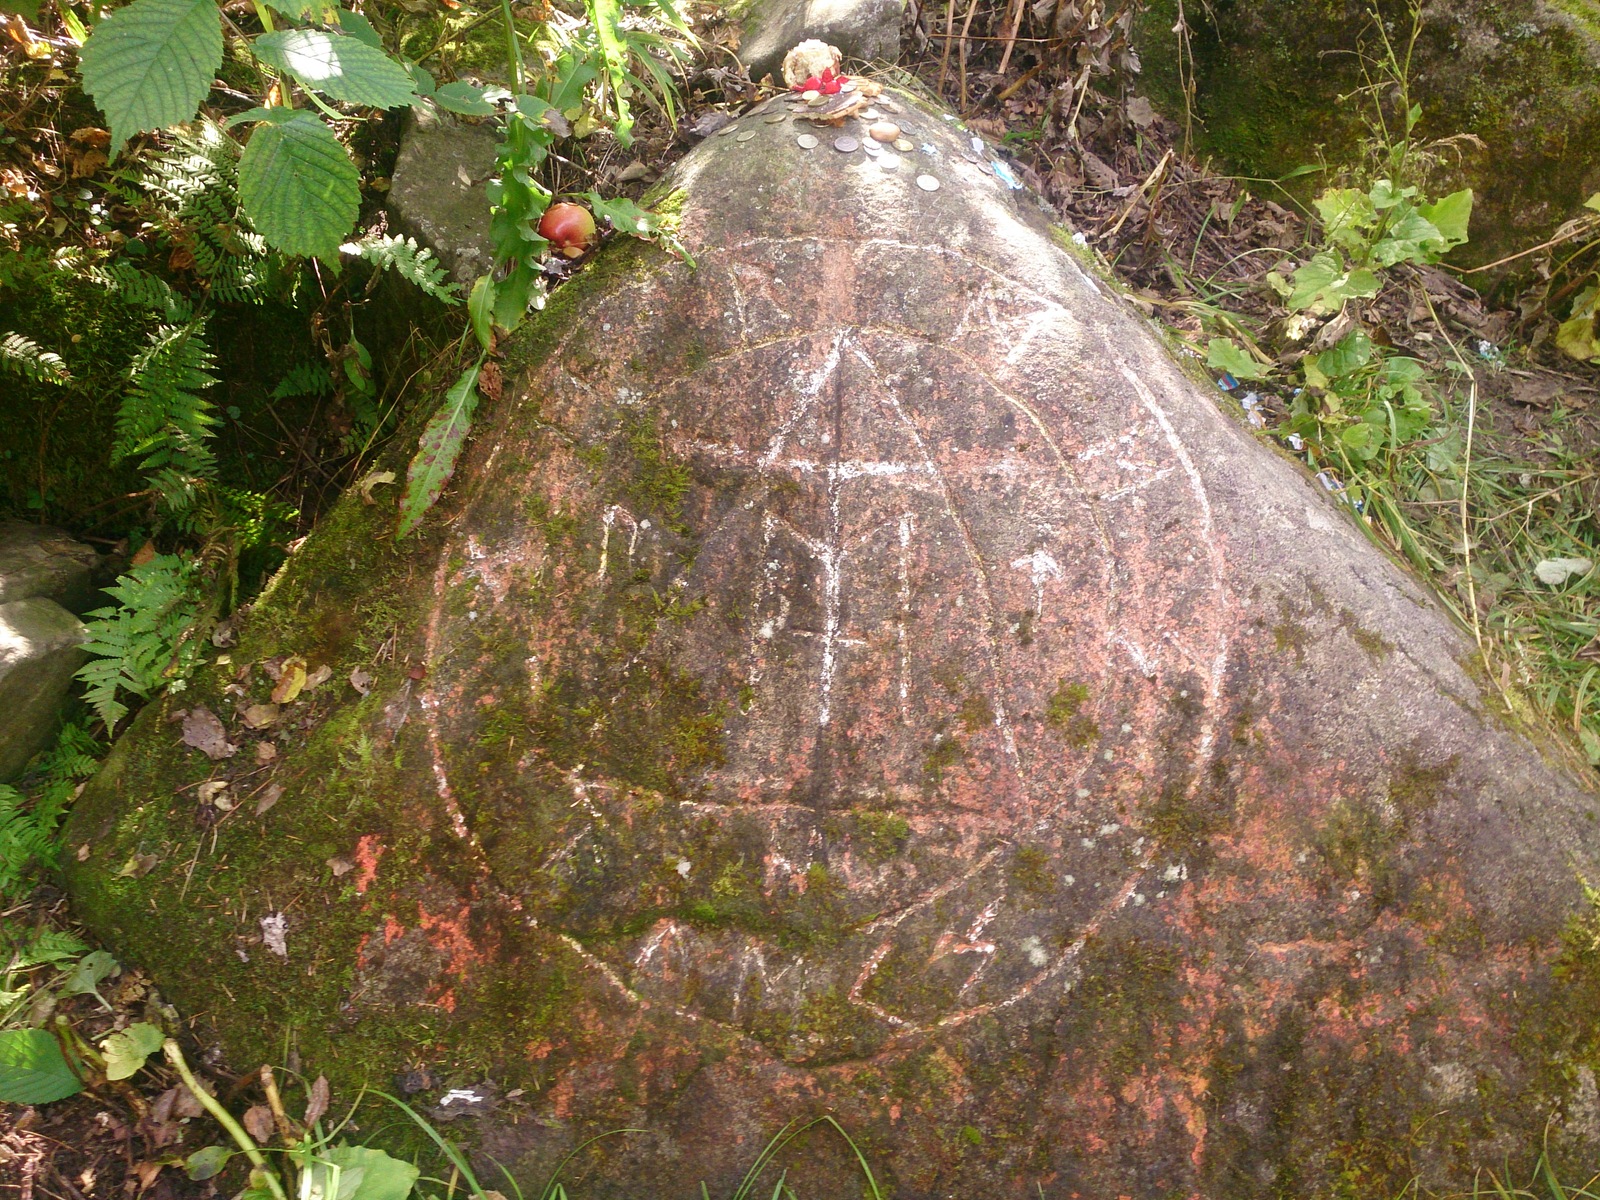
<point x="45" y="577"/>
<point x="866" y="675"/>
<point x="41" y="645"/>
<point x="1521" y="75"/>
<point x="437" y="191"/>
<point x="864" y="30"/>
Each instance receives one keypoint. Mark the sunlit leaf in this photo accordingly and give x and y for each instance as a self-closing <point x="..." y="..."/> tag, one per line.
<point x="1450" y="217"/>
<point x="299" y="187"/>
<point x="1224" y="354"/>
<point x="127" y="1050"/>
<point x="463" y="98"/>
<point x="150" y="64"/>
<point x="338" y="66"/>
<point x="32" y="1068"/>
<point x="440" y="445"/>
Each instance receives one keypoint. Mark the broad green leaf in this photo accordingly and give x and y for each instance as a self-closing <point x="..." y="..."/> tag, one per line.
<point x="1346" y="214"/>
<point x="625" y="216"/>
<point x="32" y="1068"/>
<point x="1450" y="217"/>
<point x="463" y="98"/>
<point x="369" y="1174"/>
<point x="28" y="10"/>
<point x="360" y="28"/>
<point x="1410" y="237"/>
<point x="149" y="65"/>
<point x="440" y="445"/>
<point x="421" y="80"/>
<point x="338" y="66"/>
<point x="1352" y="353"/>
<point x="1224" y="354"/>
<point x="85" y="978"/>
<point x="323" y="12"/>
<point x="126" y="1051"/>
<point x="1384" y="194"/>
<point x="205" y="1163"/>
<point x="1576" y="338"/>
<point x="299" y="187"/>
<point x="1593" y="202"/>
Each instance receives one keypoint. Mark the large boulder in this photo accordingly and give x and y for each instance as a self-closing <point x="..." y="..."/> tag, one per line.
<point x="864" y="673"/>
<point x="863" y="30"/>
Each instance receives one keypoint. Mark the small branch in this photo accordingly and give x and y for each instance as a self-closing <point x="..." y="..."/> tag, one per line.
<point x="224" y="1118"/>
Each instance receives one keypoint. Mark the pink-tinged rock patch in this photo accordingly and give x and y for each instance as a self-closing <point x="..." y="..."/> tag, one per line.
<point x="865" y="675"/>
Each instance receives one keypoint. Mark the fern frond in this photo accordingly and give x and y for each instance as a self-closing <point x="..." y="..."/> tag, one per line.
<point x="405" y="258"/>
<point x="144" y="290"/>
<point x="23" y="838"/>
<point x="163" y="419"/>
<point x="147" y="639"/>
<point x="308" y="379"/>
<point x="25" y="357"/>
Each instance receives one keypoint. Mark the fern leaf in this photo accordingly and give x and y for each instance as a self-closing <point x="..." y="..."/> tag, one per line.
<point x="405" y="258"/>
<point x="308" y="379"/>
<point x="22" y="839"/>
<point x="147" y="639"/>
<point x="27" y="358"/>
<point x="163" y="419"/>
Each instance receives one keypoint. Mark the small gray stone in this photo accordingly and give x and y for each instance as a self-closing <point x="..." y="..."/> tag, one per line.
<point x="36" y="560"/>
<point x="437" y="192"/>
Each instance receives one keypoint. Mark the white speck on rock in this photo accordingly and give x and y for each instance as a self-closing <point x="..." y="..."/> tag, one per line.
<point x="274" y="932"/>
<point x="1034" y="949"/>
<point x="684" y="867"/>
<point x="459" y="1096"/>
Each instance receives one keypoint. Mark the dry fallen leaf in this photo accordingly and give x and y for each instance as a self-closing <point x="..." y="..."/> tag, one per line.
<point x="361" y="681"/>
<point x="258" y="1123"/>
<point x="291" y="680"/>
<point x="215" y="792"/>
<point x="371" y="480"/>
<point x="340" y="866"/>
<point x="317" y="1102"/>
<point x="203" y="731"/>
<point x="259" y="716"/>
<point x="270" y="795"/>
<point x="318" y="677"/>
<point x="265" y="752"/>
<point x="138" y="866"/>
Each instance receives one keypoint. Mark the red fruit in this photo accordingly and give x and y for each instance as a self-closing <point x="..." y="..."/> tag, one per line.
<point x="569" y="228"/>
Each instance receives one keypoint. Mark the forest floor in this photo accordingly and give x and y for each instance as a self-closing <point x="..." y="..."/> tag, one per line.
<point x="1505" y="479"/>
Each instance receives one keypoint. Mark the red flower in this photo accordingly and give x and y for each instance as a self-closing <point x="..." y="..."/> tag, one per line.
<point x="828" y="84"/>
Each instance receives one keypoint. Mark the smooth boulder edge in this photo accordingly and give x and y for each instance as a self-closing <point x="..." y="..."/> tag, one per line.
<point x="865" y="674"/>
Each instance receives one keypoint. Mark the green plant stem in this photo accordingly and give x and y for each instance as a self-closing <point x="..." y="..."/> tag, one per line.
<point x="224" y="1118"/>
<point x="513" y="51"/>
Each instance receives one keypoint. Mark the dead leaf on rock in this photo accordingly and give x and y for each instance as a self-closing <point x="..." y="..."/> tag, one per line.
<point x="203" y="731"/>
<point x="138" y="866"/>
<point x="258" y="1123"/>
<point x="490" y="383"/>
<point x="361" y="681"/>
<point x="318" y="677"/>
<point x="270" y="795"/>
<point x="143" y="554"/>
<point x="340" y="866"/>
<point x="317" y="1102"/>
<point x="291" y="679"/>
<point x="371" y="480"/>
<point x="260" y="716"/>
<point x="1140" y="112"/>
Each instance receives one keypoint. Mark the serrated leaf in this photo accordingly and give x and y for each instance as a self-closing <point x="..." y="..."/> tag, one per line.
<point x="32" y="1068"/>
<point x="1223" y="354"/>
<point x="463" y="98"/>
<point x="149" y="65"/>
<point x="338" y="66"/>
<point x="127" y="1050"/>
<point x="361" y="29"/>
<point x="299" y="187"/>
<point x="438" y="450"/>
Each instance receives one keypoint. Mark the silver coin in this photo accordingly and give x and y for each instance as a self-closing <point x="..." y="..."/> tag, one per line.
<point x="871" y="148"/>
<point x="849" y="85"/>
<point x="745" y="136"/>
<point x="726" y="130"/>
<point x="871" y="114"/>
<point x="846" y="145"/>
<point x="927" y="183"/>
<point x="807" y="142"/>
<point x="891" y="162"/>
<point x="774" y="118"/>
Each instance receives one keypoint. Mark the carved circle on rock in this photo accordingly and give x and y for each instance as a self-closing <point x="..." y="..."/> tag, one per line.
<point x="954" y="624"/>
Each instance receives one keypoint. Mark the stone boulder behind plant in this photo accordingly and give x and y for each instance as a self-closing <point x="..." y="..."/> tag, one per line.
<point x="865" y="674"/>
